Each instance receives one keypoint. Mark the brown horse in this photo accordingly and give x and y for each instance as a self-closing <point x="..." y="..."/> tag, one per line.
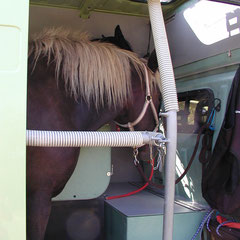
<point x="74" y="85"/>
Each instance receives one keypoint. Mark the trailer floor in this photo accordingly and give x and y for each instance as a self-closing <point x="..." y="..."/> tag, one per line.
<point x="84" y="219"/>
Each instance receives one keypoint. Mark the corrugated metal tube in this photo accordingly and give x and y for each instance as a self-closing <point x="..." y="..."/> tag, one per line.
<point x="89" y="139"/>
<point x="163" y="56"/>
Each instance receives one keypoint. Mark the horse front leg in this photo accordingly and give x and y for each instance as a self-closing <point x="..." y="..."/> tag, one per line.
<point x="48" y="170"/>
<point x="38" y="211"/>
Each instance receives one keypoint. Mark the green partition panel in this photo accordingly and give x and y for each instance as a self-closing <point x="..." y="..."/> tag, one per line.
<point x="13" y="82"/>
<point x="91" y="176"/>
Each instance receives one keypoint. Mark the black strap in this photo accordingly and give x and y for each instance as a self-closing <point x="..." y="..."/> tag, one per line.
<point x="208" y="139"/>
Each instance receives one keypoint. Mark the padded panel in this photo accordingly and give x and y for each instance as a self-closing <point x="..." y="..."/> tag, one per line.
<point x="91" y="175"/>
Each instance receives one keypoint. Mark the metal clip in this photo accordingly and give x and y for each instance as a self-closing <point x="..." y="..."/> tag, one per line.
<point x="148" y="98"/>
<point x="135" y="154"/>
<point x="161" y="158"/>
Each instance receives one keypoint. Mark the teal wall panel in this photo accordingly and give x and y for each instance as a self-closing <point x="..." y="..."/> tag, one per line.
<point x="215" y="73"/>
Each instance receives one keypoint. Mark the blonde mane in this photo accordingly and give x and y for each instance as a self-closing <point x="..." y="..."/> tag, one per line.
<point x="98" y="72"/>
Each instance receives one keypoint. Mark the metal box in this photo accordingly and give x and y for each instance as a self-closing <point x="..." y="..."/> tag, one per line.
<point x="141" y="216"/>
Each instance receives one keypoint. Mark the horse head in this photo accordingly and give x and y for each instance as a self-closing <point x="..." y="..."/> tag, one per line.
<point x="118" y="39"/>
<point x="152" y="61"/>
<point x="141" y="110"/>
<point x="136" y="109"/>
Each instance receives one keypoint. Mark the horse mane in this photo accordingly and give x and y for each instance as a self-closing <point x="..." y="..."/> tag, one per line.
<point x="98" y="72"/>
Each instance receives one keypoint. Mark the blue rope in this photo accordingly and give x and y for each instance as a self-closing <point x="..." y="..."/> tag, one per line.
<point x="223" y="223"/>
<point x="211" y="118"/>
<point x="220" y="225"/>
<point x="205" y="219"/>
<point x="208" y="221"/>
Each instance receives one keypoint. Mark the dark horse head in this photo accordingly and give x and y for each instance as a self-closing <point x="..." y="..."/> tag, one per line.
<point x="75" y="84"/>
<point x="118" y="39"/>
<point x="152" y="61"/>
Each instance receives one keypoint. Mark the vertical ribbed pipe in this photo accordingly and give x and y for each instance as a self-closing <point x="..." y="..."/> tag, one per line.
<point x="169" y="94"/>
<point x="163" y="56"/>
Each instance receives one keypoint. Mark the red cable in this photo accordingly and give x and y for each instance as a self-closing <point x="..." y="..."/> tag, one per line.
<point x="221" y="219"/>
<point x="136" y="191"/>
<point x="232" y="225"/>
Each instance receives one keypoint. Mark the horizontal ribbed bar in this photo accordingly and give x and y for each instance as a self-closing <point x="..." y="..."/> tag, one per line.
<point x="88" y="138"/>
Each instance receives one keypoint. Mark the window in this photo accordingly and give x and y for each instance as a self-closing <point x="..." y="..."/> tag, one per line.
<point x="194" y="110"/>
<point x="213" y="21"/>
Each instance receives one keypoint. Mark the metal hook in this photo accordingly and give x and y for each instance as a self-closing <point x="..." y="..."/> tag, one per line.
<point x="135" y="154"/>
<point x="161" y="157"/>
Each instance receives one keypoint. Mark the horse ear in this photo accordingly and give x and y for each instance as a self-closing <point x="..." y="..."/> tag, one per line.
<point x="118" y="33"/>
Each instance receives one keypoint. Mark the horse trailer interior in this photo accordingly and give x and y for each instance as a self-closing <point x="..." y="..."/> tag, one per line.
<point x="204" y="43"/>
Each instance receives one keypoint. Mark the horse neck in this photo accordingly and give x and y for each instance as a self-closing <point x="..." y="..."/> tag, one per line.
<point x="91" y="119"/>
<point x="56" y="111"/>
